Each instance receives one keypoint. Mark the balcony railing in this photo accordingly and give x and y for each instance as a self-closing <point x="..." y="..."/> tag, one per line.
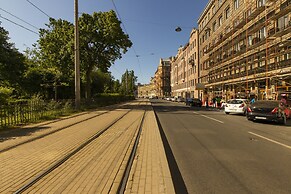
<point x="256" y="12"/>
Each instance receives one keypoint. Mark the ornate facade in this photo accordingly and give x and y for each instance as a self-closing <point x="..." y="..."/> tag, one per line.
<point x="162" y="78"/>
<point x="184" y="69"/>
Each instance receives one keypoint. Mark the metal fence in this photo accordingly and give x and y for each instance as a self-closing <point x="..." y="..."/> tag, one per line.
<point x="31" y="111"/>
<point x="36" y="110"/>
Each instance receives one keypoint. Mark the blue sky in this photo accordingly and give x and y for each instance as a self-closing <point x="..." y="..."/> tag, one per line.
<point x="150" y="24"/>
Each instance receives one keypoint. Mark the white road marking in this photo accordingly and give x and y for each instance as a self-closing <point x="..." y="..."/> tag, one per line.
<point x="209" y="117"/>
<point x="273" y="141"/>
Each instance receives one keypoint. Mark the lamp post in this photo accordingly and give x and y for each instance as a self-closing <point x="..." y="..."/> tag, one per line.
<point x="77" y="60"/>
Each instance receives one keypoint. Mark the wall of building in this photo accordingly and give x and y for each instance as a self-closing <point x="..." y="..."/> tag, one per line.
<point x="184" y="69"/>
<point x="244" y="48"/>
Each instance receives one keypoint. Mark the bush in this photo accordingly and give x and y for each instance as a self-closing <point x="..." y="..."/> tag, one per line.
<point x="5" y="94"/>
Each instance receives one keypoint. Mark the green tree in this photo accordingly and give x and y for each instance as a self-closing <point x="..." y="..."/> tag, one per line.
<point x="56" y="47"/>
<point x="41" y="78"/>
<point x="116" y="86"/>
<point x="11" y="63"/>
<point x="102" y="41"/>
<point x="101" y="82"/>
<point x="42" y="81"/>
<point x="128" y="81"/>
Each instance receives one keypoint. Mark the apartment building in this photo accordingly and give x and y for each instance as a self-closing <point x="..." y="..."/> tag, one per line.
<point x="162" y="78"/>
<point x="244" y="48"/>
<point x="146" y="90"/>
<point x="184" y="69"/>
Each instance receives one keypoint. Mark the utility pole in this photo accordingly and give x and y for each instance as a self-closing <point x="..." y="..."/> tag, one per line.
<point x="126" y="86"/>
<point x="77" y="60"/>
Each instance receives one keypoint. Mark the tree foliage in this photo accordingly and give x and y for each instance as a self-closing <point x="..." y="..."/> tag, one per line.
<point x="11" y="62"/>
<point x="49" y="66"/>
<point x="102" y="41"/>
<point x="56" y="46"/>
<point x="128" y="81"/>
<point x="101" y="82"/>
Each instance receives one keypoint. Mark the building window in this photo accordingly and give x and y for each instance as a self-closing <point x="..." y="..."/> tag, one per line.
<point x="250" y="38"/>
<point x="227" y="13"/>
<point x="213" y="10"/>
<point x="214" y="26"/>
<point x="236" y="4"/>
<point x="227" y="29"/>
<point x="248" y="12"/>
<point x="220" y="20"/>
<point x="220" y="3"/>
<point x="261" y="3"/>
<point x="282" y="22"/>
<point x="262" y="33"/>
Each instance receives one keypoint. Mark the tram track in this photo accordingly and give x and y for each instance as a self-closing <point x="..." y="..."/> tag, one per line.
<point x="5" y="149"/>
<point x="49" y="133"/>
<point x="128" y="158"/>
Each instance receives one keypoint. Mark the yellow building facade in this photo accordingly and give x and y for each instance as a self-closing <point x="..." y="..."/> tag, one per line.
<point x="184" y="69"/>
<point x="244" y="48"/>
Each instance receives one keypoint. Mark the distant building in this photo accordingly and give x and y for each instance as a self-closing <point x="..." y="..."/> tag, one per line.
<point x="146" y="90"/>
<point x="184" y="69"/>
<point x="162" y="78"/>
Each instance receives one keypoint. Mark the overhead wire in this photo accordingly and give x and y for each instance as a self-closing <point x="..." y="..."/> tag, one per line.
<point x="157" y="23"/>
<point x="136" y="55"/>
<point x="19" y="25"/>
<point x="38" y="8"/>
<point x="19" y="18"/>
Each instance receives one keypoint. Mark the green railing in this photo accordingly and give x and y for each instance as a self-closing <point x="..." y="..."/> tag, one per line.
<point x="36" y="110"/>
<point x="31" y="111"/>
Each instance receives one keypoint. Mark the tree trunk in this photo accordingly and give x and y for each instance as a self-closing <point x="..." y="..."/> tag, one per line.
<point x="88" y="85"/>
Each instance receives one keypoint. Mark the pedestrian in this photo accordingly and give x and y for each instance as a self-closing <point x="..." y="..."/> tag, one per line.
<point x="252" y="100"/>
<point x="283" y="100"/>
<point x="207" y="103"/>
<point x="214" y="101"/>
<point x="218" y="100"/>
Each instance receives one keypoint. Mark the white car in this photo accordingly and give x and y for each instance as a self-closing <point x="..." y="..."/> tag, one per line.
<point x="238" y="106"/>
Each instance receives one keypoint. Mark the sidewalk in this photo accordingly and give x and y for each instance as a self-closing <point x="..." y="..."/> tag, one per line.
<point x="150" y="171"/>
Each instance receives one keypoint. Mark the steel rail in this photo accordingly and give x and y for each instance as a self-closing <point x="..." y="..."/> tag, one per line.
<point x="67" y="157"/>
<point x="50" y="133"/>
<point x="125" y="176"/>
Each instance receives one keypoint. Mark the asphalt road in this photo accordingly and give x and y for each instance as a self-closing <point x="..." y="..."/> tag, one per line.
<point x="219" y="153"/>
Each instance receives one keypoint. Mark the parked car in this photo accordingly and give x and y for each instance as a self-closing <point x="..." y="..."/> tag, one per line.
<point x="173" y="99"/>
<point x="238" y="106"/>
<point x="168" y="98"/>
<point x="193" y="102"/>
<point x="268" y="110"/>
<point x="180" y="99"/>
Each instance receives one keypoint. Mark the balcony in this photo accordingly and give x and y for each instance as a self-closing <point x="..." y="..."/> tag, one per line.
<point x="278" y="32"/>
<point x="239" y="24"/>
<point x="229" y="33"/>
<point x="256" y="27"/>
<point x="256" y="12"/>
<point x="256" y="42"/>
<point x="285" y="63"/>
<point x="273" y="31"/>
<point x="285" y="8"/>
<point x="243" y="47"/>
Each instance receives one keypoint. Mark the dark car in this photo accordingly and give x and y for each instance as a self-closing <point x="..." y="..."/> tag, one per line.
<point x="194" y="102"/>
<point x="266" y="110"/>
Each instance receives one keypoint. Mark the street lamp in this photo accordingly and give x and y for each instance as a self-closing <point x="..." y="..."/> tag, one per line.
<point x="178" y="29"/>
